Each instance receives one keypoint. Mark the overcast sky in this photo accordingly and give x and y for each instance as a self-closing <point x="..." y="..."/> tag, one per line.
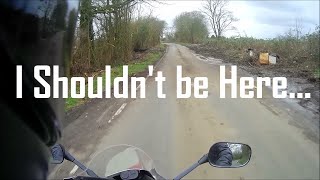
<point x="259" y="19"/>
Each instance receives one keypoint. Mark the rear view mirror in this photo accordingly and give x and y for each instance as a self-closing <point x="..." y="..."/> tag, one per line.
<point x="57" y="154"/>
<point x="229" y="155"/>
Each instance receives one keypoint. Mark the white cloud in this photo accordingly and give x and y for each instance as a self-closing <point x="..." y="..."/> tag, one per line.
<point x="168" y="10"/>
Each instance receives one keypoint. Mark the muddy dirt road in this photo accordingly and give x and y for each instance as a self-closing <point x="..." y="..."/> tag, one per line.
<point x="176" y="132"/>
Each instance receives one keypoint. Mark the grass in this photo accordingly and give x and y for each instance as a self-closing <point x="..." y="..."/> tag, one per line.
<point x="301" y="51"/>
<point x="317" y="73"/>
<point x="133" y="68"/>
<point x="299" y="56"/>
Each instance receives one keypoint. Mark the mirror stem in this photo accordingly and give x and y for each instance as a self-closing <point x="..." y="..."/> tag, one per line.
<point x="69" y="157"/>
<point x="202" y="160"/>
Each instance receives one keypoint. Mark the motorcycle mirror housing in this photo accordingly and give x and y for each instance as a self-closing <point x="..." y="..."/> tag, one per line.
<point x="229" y="155"/>
<point x="57" y="153"/>
<point x="222" y="155"/>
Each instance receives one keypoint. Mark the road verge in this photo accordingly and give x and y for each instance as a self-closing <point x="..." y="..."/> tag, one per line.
<point x="138" y="67"/>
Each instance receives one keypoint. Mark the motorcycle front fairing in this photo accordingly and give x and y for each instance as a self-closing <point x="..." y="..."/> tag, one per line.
<point x="122" y="162"/>
<point x="124" y="175"/>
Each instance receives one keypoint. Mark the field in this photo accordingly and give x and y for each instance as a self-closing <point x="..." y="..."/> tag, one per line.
<point x="298" y="59"/>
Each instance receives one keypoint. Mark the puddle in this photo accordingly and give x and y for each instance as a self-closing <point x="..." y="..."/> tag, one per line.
<point x="209" y="60"/>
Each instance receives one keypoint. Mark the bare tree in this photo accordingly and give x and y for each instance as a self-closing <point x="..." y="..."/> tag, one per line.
<point x="298" y="28"/>
<point x="220" y="18"/>
<point x="190" y="27"/>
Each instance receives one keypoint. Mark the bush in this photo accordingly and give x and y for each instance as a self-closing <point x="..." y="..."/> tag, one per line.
<point x="302" y="52"/>
<point x="147" y="32"/>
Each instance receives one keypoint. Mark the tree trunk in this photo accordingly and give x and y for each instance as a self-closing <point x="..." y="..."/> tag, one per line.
<point x="86" y="35"/>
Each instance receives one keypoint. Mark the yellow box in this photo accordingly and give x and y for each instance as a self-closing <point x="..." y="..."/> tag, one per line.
<point x="264" y="58"/>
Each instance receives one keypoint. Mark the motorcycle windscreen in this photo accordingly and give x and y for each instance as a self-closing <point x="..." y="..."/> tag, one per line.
<point x="119" y="158"/>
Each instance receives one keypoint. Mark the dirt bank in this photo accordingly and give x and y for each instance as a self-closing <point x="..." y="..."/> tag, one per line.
<point x="300" y="76"/>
